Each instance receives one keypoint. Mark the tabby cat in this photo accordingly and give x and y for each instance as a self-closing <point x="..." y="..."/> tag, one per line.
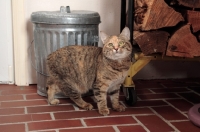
<point x="74" y="70"/>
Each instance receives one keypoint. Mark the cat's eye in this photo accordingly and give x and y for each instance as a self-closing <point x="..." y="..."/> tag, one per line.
<point x="110" y="44"/>
<point x="121" y="43"/>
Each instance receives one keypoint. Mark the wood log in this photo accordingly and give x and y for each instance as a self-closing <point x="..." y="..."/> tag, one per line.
<point x="190" y="3"/>
<point x="194" y="19"/>
<point x="183" y="43"/>
<point x="155" y="14"/>
<point x="152" y="41"/>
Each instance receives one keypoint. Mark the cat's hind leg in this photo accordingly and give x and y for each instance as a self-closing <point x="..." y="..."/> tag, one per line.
<point x="76" y="97"/>
<point x="114" y="96"/>
<point x="52" y="90"/>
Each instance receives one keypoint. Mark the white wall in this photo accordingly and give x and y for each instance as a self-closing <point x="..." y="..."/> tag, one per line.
<point x="6" y="43"/>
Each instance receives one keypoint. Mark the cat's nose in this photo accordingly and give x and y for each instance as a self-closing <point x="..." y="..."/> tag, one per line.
<point x="116" y="49"/>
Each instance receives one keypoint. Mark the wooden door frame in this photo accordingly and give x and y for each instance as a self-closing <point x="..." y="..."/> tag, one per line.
<point x="20" y="43"/>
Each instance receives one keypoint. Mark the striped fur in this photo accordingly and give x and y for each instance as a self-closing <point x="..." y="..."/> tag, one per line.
<point x="74" y="70"/>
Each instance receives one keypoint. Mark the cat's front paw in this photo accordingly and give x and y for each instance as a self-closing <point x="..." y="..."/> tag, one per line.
<point x="119" y="108"/>
<point x="88" y="106"/>
<point x="104" y="112"/>
<point x="54" y="102"/>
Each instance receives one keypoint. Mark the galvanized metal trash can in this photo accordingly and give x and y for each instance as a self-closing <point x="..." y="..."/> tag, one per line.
<point x="56" y="29"/>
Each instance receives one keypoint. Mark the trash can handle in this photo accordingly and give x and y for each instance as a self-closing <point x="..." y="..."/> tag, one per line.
<point x="68" y="9"/>
<point x="65" y="9"/>
<point x="62" y="9"/>
<point x="30" y="53"/>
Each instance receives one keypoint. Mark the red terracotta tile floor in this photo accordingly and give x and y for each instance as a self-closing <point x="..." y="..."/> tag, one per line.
<point x="162" y="107"/>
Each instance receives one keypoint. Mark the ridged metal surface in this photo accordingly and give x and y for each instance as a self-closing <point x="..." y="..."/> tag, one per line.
<point x="48" y="38"/>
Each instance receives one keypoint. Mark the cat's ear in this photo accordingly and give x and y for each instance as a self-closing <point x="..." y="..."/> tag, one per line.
<point x="103" y="36"/>
<point x="125" y="33"/>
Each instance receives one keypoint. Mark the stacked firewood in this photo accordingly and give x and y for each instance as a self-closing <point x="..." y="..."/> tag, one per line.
<point x="169" y="27"/>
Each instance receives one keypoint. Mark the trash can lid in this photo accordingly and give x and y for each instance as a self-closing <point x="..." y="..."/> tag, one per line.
<point x="65" y="16"/>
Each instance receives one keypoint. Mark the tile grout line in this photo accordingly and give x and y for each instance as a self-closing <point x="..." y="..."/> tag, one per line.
<point x="184" y="98"/>
<point x="32" y="117"/>
<point x="174" y="107"/>
<point x="24" y="97"/>
<point x="121" y="102"/>
<point x="71" y="128"/>
<point x="186" y="115"/>
<point x="25" y="110"/>
<point x="141" y="124"/>
<point x="18" y="122"/>
<point x="155" y="106"/>
<point x="26" y="127"/>
<point x="75" y="118"/>
<point x="75" y="108"/>
<point x="116" y="128"/>
<point x="195" y="92"/>
<point x="19" y="94"/>
<point x="177" y="120"/>
<point x="83" y="110"/>
<point x="189" y="89"/>
<point x="152" y="92"/>
<point x="157" y="99"/>
<point x="163" y="93"/>
<point x="135" y="124"/>
<point x="52" y="116"/>
<point x="139" y="82"/>
<point x="185" y="112"/>
<point x="47" y="120"/>
<point x="83" y="123"/>
<point x="162" y="85"/>
<point x="176" y="130"/>
<point x="36" y="112"/>
<point x="139" y="99"/>
<point x="29" y="105"/>
<point x="110" y="116"/>
<point x="185" y="92"/>
<point x="44" y="130"/>
<point x="164" y="88"/>
<point x="24" y="100"/>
